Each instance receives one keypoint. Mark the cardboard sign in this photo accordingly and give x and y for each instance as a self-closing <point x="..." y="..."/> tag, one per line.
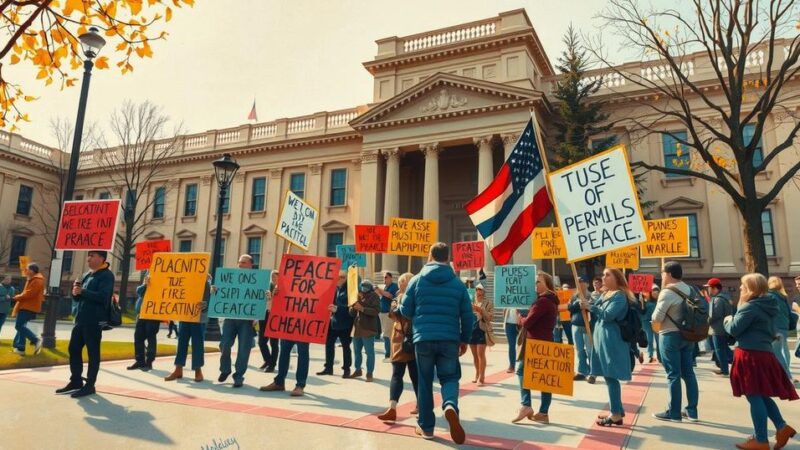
<point x="468" y="255"/>
<point x="88" y="225"/>
<point x="411" y="237"/>
<point x="23" y="264"/>
<point x="177" y="286"/>
<point x="372" y="238"/>
<point x="548" y="243"/>
<point x="306" y="287"/>
<point x="352" y="285"/>
<point x="349" y="257"/>
<point x="240" y="294"/>
<point x="640" y="282"/>
<point x="514" y="286"/>
<point x="667" y="238"/>
<point x="627" y="258"/>
<point x="597" y="206"/>
<point x="297" y="221"/>
<point x="146" y="249"/>
<point x="564" y="297"/>
<point x="549" y="367"/>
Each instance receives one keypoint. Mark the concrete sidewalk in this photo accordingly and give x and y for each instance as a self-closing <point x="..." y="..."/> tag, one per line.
<point x="135" y="409"/>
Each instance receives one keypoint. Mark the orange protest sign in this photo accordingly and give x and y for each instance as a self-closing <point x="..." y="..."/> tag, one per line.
<point x="146" y="249"/>
<point x="626" y="258"/>
<point x="548" y="243"/>
<point x="549" y="367"/>
<point x="372" y="238"/>
<point x="564" y="296"/>
<point x="177" y="287"/>
<point x="411" y="237"/>
<point x="666" y="238"/>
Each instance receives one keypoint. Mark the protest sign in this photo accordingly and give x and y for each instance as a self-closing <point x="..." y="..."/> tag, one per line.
<point x="177" y="286"/>
<point x="467" y="255"/>
<point x="514" y="286"/>
<point x="240" y="294"/>
<point x="564" y="296"/>
<point x="23" y="264"/>
<point x="347" y="254"/>
<point x="146" y="249"/>
<point x="297" y="221"/>
<point x="666" y="238"/>
<point x="306" y="287"/>
<point x="548" y="243"/>
<point x="411" y="237"/>
<point x="88" y="225"/>
<point x="626" y="258"/>
<point x="372" y="238"/>
<point x="596" y="205"/>
<point x="549" y="367"/>
<point x="352" y="285"/>
<point x="640" y="282"/>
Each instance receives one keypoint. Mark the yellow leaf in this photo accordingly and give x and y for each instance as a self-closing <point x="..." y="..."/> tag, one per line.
<point x="101" y="62"/>
<point x="14" y="59"/>
<point x="70" y="82"/>
<point x="72" y="5"/>
<point x="168" y="14"/>
<point x="122" y="45"/>
<point x="30" y="98"/>
<point x="42" y="73"/>
<point x="134" y="5"/>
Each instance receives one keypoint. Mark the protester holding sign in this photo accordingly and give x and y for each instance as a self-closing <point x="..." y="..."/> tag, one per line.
<point x="582" y="346"/>
<point x="482" y="335"/>
<point x="340" y="328"/>
<point x="194" y="331"/>
<point x="366" y="326"/>
<point x="145" y="332"/>
<point x="538" y="324"/>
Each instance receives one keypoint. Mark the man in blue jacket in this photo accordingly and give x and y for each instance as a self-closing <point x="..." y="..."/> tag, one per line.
<point x="145" y="332"/>
<point x="440" y="309"/>
<point x="340" y="328"/>
<point x="92" y="300"/>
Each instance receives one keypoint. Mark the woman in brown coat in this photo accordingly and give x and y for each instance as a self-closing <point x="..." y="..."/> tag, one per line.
<point x="482" y="335"/>
<point x="400" y="359"/>
<point x="366" y="327"/>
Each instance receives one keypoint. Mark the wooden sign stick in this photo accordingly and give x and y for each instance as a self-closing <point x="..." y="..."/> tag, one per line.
<point x="584" y="313"/>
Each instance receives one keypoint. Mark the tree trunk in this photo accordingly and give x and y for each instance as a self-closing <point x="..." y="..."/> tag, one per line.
<point x="755" y="253"/>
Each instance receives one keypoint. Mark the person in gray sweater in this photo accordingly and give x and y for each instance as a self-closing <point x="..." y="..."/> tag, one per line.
<point x="720" y="308"/>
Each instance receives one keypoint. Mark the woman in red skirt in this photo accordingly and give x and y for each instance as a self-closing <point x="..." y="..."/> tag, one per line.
<point x="756" y="372"/>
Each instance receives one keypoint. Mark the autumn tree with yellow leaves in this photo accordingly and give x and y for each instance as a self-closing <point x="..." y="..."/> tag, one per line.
<point x="44" y="34"/>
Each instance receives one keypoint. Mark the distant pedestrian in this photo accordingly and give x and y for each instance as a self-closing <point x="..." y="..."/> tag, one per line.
<point x="194" y="332"/>
<point x="144" y="333"/>
<point x="648" y="306"/>
<point x="172" y="327"/>
<point x="366" y="327"/>
<point x="781" y="343"/>
<point x="387" y="294"/>
<point x="340" y="328"/>
<point x="7" y="293"/>
<point x="482" y="333"/>
<point x="29" y="303"/>
<point x="719" y="309"/>
<point x="756" y="372"/>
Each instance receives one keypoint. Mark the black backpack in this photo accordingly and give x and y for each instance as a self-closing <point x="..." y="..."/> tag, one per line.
<point x="694" y="326"/>
<point x="630" y="328"/>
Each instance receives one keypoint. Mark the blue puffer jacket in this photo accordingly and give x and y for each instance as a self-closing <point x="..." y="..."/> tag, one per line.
<point x="438" y="305"/>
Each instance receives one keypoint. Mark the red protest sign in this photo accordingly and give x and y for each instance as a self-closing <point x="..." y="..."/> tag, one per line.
<point x="306" y="286"/>
<point x="467" y="255"/>
<point x="88" y="225"/>
<point x="640" y="282"/>
<point x="372" y="238"/>
<point x="146" y="249"/>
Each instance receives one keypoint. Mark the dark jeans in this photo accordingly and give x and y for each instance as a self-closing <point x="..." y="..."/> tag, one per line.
<point x="23" y="332"/>
<point x="440" y="357"/>
<point x="525" y="394"/>
<point x="567" y="329"/>
<point x="330" y="348"/>
<point x="722" y="352"/>
<point x="2" y="320"/>
<point x="88" y="336"/>
<point x="398" y="372"/>
<point x="172" y="327"/>
<point x="145" y="332"/>
<point x="511" y="336"/>
<point x="194" y="332"/>
<point x="302" y="362"/>
<point x="677" y="354"/>
<point x="241" y="330"/>
<point x="268" y="346"/>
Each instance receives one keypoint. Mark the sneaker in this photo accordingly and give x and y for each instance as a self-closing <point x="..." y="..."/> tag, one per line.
<point x="87" y="389"/>
<point x="19" y="352"/>
<point x="423" y="434"/>
<point x="387" y="360"/>
<point x="665" y="416"/>
<point x="223" y="376"/>
<point x="38" y="348"/>
<point x="72" y="386"/>
<point x="579" y="377"/>
<point x="685" y="415"/>
<point x="456" y="430"/>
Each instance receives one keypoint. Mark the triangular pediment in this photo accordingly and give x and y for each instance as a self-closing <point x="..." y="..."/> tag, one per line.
<point x="681" y="203"/>
<point x="254" y="230"/>
<point x="334" y="225"/>
<point x="154" y="236"/>
<point x="225" y="233"/>
<point x="185" y="234"/>
<point x="445" y="95"/>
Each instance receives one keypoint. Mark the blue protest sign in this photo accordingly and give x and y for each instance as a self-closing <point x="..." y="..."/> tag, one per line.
<point x="514" y="286"/>
<point x="240" y="294"/>
<point x="349" y="257"/>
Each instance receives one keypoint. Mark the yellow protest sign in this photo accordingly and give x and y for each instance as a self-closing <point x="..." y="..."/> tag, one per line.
<point x="352" y="285"/>
<point x="177" y="286"/>
<point x="411" y="237"/>
<point x="549" y="367"/>
<point x="23" y="264"/>
<point x="626" y="258"/>
<point x="548" y="243"/>
<point x="666" y="238"/>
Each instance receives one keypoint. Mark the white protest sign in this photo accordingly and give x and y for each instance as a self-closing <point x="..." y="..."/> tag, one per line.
<point x="297" y="221"/>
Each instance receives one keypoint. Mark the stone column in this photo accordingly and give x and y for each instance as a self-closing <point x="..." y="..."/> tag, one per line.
<point x="391" y="204"/>
<point x="271" y="243"/>
<point x="430" y="202"/>
<point x="314" y="197"/>
<point x="485" y="175"/>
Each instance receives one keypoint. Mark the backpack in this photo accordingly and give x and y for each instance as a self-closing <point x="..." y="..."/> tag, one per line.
<point x="630" y="328"/>
<point x="694" y="326"/>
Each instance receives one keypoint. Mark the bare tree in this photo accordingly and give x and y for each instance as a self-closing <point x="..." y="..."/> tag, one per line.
<point x="749" y="52"/>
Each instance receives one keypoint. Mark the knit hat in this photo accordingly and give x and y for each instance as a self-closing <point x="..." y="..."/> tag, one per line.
<point x="366" y="286"/>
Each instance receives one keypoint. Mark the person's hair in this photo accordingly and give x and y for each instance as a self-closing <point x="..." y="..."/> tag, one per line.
<point x="439" y="252"/>
<point x="548" y="281"/>
<point x="388" y="274"/>
<point x="622" y="283"/>
<point x="597" y="278"/>
<point x="776" y="284"/>
<point x="797" y="278"/>
<point x="674" y="269"/>
<point x="406" y="277"/>
<point x="756" y="286"/>
<point x="248" y="257"/>
<point x="33" y="267"/>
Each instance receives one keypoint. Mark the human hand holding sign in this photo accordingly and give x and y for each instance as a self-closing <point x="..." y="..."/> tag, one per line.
<point x="76" y="288"/>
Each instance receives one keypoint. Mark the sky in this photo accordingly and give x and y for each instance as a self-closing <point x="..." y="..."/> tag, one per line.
<point x="292" y="57"/>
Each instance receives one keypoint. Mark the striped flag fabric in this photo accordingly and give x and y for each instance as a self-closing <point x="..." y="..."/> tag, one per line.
<point x="253" y="115"/>
<point x="508" y="210"/>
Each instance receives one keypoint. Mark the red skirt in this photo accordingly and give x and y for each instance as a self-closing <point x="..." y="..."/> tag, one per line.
<point x="756" y="372"/>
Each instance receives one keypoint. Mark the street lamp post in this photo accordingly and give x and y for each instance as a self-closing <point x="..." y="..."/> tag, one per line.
<point x="224" y="170"/>
<point x="91" y="44"/>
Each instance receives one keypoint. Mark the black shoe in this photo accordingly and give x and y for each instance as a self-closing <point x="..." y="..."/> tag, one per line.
<point x="238" y="383"/>
<point x="263" y="366"/>
<point x="146" y="367"/>
<point x="71" y="387"/>
<point x="325" y="372"/>
<point x="87" y="389"/>
<point x="223" y="377"/>
<point x="346" y="374"/>
<point x="269" y="369"/>
<point x="136" y="365"/>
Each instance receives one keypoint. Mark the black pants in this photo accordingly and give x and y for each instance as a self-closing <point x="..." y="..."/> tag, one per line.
<point x="172" y="327"/>
<point x="145" y="332"/>
<point x="330" y="347"/>
<point x="398" y="372"/>
<point x="88" y="336"/>
<point x="268" y="352"/>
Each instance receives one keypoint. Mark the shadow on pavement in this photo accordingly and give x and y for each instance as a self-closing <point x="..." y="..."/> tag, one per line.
<point x="113" y="419"/>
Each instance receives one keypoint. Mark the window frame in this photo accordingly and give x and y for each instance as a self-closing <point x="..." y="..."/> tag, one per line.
<point x="187" y="200"/>
<point x="771" y="233"/>
<point x="668" y="157"/>
<point x="258" y="197"/>
<point x="24" y="200"/>
<point x="302" y="192"/>
<point x="255" y="255"/>
<point x="342" y="189"/>
<point x="330" y="246"/>
<point x="14" y="253"/>
<point x="758" y="154"/>
<point x="180" y="245"/>
<point x="159" y="214"/>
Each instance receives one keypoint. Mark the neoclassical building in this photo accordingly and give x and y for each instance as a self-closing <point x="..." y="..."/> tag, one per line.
<point x="447" y="105"/>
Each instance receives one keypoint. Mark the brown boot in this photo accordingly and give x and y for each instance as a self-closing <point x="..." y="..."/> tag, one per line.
<point x="198" y="375"/>
<point x="175" y="375"/>
<point x="752" y="444"/>
<point x="389" y="416"/>
<point x="782" y="436"/>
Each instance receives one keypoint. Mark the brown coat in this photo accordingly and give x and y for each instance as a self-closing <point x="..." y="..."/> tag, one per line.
<point x="400" y="328"/>
<point x="366" y="322"/>
<point x="485" y="319"/>
<point x="31" y="298"/>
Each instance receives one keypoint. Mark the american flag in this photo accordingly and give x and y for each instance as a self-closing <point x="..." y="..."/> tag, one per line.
<point x="253" y="115"/>
<point x="508" y="210"/>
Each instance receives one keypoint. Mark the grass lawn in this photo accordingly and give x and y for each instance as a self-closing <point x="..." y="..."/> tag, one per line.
<point x="110" y="351"/>
<point x="128" y="318"/>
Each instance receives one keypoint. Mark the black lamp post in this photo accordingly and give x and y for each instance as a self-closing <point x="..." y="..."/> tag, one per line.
<point x="91" y="44"/>
<point x="224" y="170"/>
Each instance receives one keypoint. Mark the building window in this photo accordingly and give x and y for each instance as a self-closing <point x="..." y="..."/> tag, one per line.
<point x="254" y="250"/>
<point x="258" y="197"/>
<point x="190" y="203"/>
<point x="18" y="244"/>
<point x="24" y="200"/>
<point x="79" y="197"/>
<point x="185" y="245"/>
<point x="334" y="239"/>
<point x="297" y="184"/>
<point x="159" y="201"/>
<point x="338" y="187"/>
<point x="694" y="236"/>
<point x="747" y="137"/>
<point x="769" y="232"/>
<point x="66" y="263"/>
<point x="105" y="195"/>
<point x="676" y="156"/>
